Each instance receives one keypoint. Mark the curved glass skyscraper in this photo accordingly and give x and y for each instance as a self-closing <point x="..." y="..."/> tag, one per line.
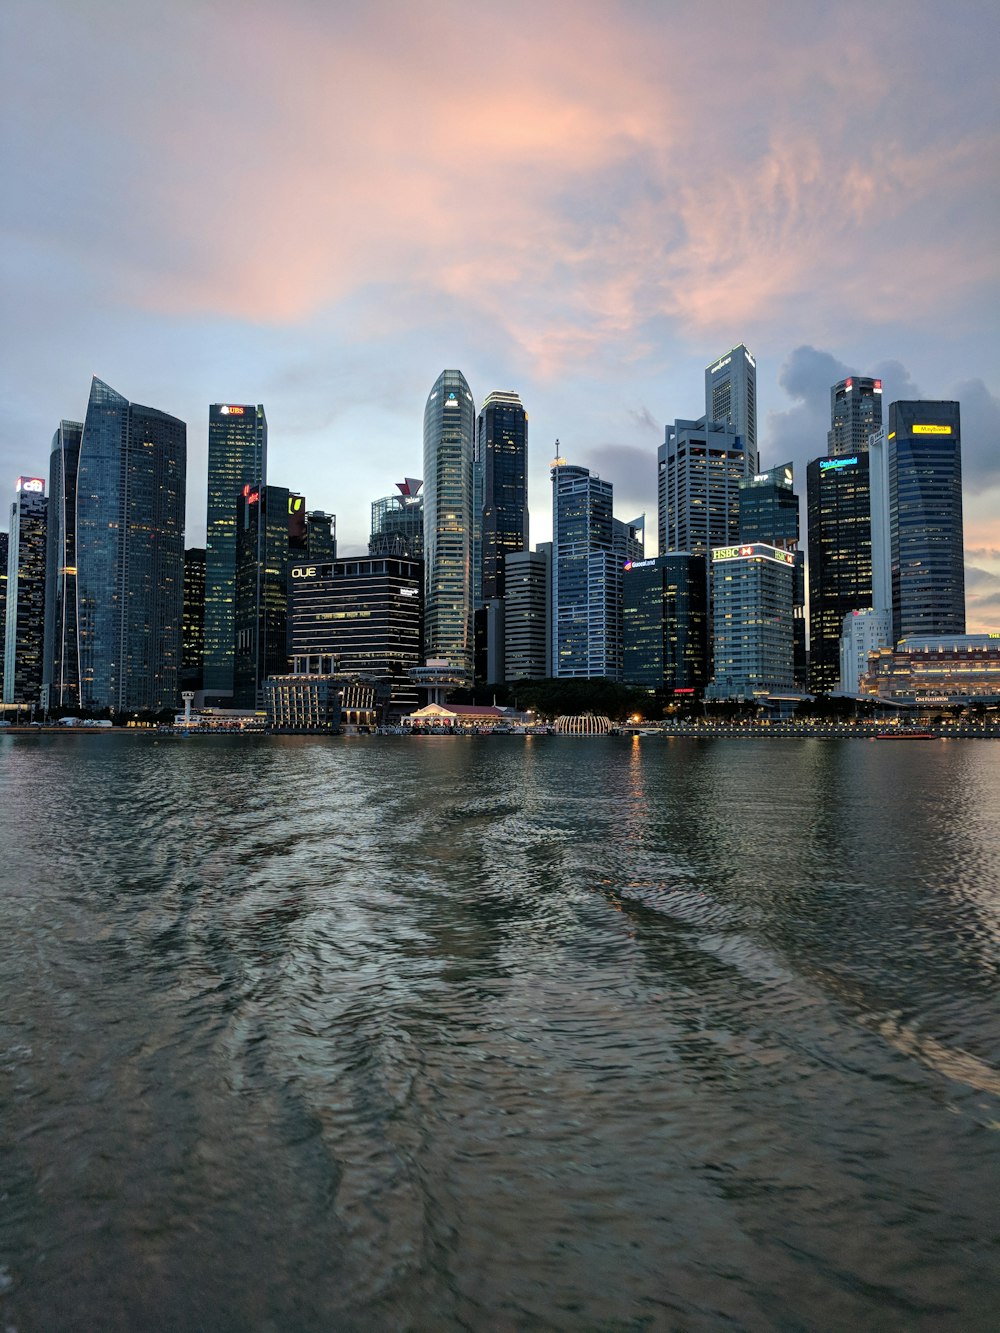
<point x="130" y="554"/>
<point x="449" y="434"/>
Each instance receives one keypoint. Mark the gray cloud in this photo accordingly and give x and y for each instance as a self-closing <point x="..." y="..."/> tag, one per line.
<point x="980" y="435"/>
<point x="644" y="419"/>
<point x="632" y="472"/>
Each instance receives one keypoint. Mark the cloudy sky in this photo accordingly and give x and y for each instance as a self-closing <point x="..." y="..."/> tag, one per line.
<point x="321" y="205"/>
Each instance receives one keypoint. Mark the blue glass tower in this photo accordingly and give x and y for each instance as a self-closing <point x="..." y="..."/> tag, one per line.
<point x="449" y="432"/>
<point x="130" y="554"/>
<point x="61" y="670"/>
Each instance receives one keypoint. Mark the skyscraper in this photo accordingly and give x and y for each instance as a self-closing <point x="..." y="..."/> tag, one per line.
<point x="753" y="588"/>
<point x="502" y="459"/>
<point x="769" y="512"/>
<point x="838" y="505"/>
<point x="237" y="457"/>
<point x="449" y="432"/>
<point x="270" y="531"/>
<point x="130" y="554"/>
<point x="731" y="397"/>
<point x="665" y="623"/>
<point x="193" y="621"/>
<point x="25" y="617"/>
<point x="527" y="613"/>
<point x="700" y="467"/>
<point x="855" y="414"/>
<point x="61" y="670"/>
<point x="398" y="522"/>
<point x="4" y="549"/>
<point x="925" y="519"/>
<point x="586" y="576"/>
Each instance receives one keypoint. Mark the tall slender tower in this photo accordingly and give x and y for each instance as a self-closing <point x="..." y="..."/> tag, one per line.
<point x="130" y="554"/>
<point x="731" y="397"/>
<point x="237" y="457"/>
<point x="60" y="673"/>
<point x="586" y="575"/>
<point x="838" y="505"/>
<point x="449" y="433"/>
<point x="855" y="413"/>
<point x="24" y="638"/>
<point x="502" y="458"/>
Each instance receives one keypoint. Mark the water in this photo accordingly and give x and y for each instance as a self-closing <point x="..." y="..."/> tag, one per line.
<point x="498" y="1034"/>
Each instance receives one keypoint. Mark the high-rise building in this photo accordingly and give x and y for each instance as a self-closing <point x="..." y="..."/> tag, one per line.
<point x="237" y="457"/>
<point x="838" y="503"/>
<point x="526" y="613"/>
<point x="731" y="398"/>
<point x="449" y="433"/>
<point x="4" y="549"/>
<point x="130" y="554"/>
<point x="365" y="613"/>
<point x="769" y="512"/>
<point x="321" y="535"/>
<point x="753" y="590"/>
<point x="61" y="669"/>
<point x="586" y="576"/>
<point x="855" y="414"/>
<point x="502" y="462"/>
<point x="863" y="633"/>
<point x="398" y="522"/>
<point x="878" y="481"/>
<point x="270" y="529"/>
<point x="925" y="519"/>
<point x="193" y="620"/>
<point x="25" y="616"/>
<point x="665" y="623"/>
<point x="700" y="467"/>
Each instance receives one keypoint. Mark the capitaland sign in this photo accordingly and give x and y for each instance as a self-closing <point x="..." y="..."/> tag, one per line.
<point x="835" y="464"/>
<point x="639" y="564"/>
<point x="930" y="429"/>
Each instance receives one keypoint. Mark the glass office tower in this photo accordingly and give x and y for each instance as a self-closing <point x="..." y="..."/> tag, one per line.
<point x="60" y="676"/>
<point x="731" y="397"/>
<point x="237" y="457"/>
<point x="502" y="458"/>
<point x="25" y="616"/>
<point x="665" y="619"/>
<point x="925" y="519"/>
<point x="838" y="504"/>
<point x="449" y="433"/>
<point x="270" y="530"/>
<point x="855" y="414"/>
<point x="130" y="554"/>
<point x="586" y="576"/>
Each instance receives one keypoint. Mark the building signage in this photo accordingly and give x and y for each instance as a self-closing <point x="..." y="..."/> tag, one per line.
<point x="304" y="571"/>
<point x="835" y="464"/>
<point x="409" y="592"/>
<point x="639" y="564"/>
<point x="758" y="549"/>
<point x="719" y="364"/>
<point x="230" y="410"/>
<point x="35" y="485"/>
<point x="931" y="430"/>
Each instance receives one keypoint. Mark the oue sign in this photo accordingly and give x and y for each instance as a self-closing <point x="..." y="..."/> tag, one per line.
<point x="303" y="571"/>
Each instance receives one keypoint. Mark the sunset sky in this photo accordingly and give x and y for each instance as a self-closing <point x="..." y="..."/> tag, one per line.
<point x="320" y="205"/>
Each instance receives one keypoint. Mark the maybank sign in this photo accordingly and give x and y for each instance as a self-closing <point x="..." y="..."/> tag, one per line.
<point x="929" y="429"/>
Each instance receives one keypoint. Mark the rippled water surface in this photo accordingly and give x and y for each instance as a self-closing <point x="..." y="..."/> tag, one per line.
<point x="498" y="1034"/>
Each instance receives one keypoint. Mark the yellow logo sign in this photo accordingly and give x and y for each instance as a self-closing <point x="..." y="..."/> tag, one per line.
<point x="932" y="430"/>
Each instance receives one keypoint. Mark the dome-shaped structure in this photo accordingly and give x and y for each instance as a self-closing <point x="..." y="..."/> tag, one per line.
<point x="582" y="724"/>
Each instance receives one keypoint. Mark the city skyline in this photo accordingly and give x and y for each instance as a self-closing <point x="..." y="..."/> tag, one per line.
<point x="590" y="244"/>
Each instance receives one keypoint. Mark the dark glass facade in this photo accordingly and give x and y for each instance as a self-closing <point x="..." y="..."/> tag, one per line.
<point x="25" y="615"/>
<point x="769" y="512"/>
<point x="502" y="460"/>
<point x="665" y="623"/>
<point x="365" y="613"/>
<point x="267" y="524"/>
<point x="321" y="535"/>
<point x="449" y="433"/>
<point x="4" y="549"/>
<point x="838" y="502"/>
<point x="855" y="414"/>
<point x="925" y="519"/>
<point x="193" y="624"/>
<point x="130" y="554"/>
<point x="61" y="676"/>
<point x="237" y="457"/>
